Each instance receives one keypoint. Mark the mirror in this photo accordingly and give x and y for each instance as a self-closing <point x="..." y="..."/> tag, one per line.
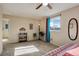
<point x="73" y="29"/>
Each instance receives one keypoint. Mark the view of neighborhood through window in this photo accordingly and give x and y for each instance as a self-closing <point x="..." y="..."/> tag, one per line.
<point x="55" y="23"/>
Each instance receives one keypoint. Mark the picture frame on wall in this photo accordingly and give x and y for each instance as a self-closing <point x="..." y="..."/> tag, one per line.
<point x="6" y="26"/>
<point x="31" y="26"/>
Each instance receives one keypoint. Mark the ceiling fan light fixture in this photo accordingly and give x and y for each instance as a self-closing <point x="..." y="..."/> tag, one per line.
<point x="45" y="4"/>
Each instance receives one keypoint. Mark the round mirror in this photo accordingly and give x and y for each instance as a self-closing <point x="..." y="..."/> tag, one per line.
<point x="73" y="29"/>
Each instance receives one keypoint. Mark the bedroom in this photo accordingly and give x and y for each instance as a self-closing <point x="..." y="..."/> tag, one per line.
<point x="26" y="16"/>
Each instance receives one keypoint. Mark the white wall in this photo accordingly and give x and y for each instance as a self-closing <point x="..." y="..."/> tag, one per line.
<point x="1" y="31"/>
<point x="43" y="26"/>
<point x="60" y="38"/>
<point x="16" y="23"/>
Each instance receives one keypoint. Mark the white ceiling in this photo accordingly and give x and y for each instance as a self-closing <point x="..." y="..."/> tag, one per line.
<point x="28" y="9"/>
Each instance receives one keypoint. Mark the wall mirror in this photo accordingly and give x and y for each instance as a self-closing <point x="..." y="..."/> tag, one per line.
<point x="73" y="29"/>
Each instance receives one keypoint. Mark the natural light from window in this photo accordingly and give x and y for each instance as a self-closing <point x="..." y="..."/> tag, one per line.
<point x="4" y="40"/>
<point x="55" y="23"/>
<point x="25" y="50"/>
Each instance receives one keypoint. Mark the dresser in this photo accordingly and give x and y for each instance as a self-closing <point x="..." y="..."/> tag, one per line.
<point x="22" y="37"/>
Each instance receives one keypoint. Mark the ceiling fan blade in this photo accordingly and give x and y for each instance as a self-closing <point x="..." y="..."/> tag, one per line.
<point x="39" y="6"/>
<point x="49" y="6"/>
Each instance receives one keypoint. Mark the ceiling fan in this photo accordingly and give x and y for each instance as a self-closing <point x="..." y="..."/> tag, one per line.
<point x="44" y="4"/>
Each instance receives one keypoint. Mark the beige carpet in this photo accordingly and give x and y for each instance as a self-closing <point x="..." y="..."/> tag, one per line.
<point x="32" y="48"/>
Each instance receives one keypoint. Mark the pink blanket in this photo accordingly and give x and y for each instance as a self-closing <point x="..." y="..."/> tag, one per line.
<point x="72" y="52"/>
<point x="60" y="51"/>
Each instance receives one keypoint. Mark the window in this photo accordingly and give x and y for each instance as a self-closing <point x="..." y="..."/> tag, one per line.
<point x="55" y="23"/>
